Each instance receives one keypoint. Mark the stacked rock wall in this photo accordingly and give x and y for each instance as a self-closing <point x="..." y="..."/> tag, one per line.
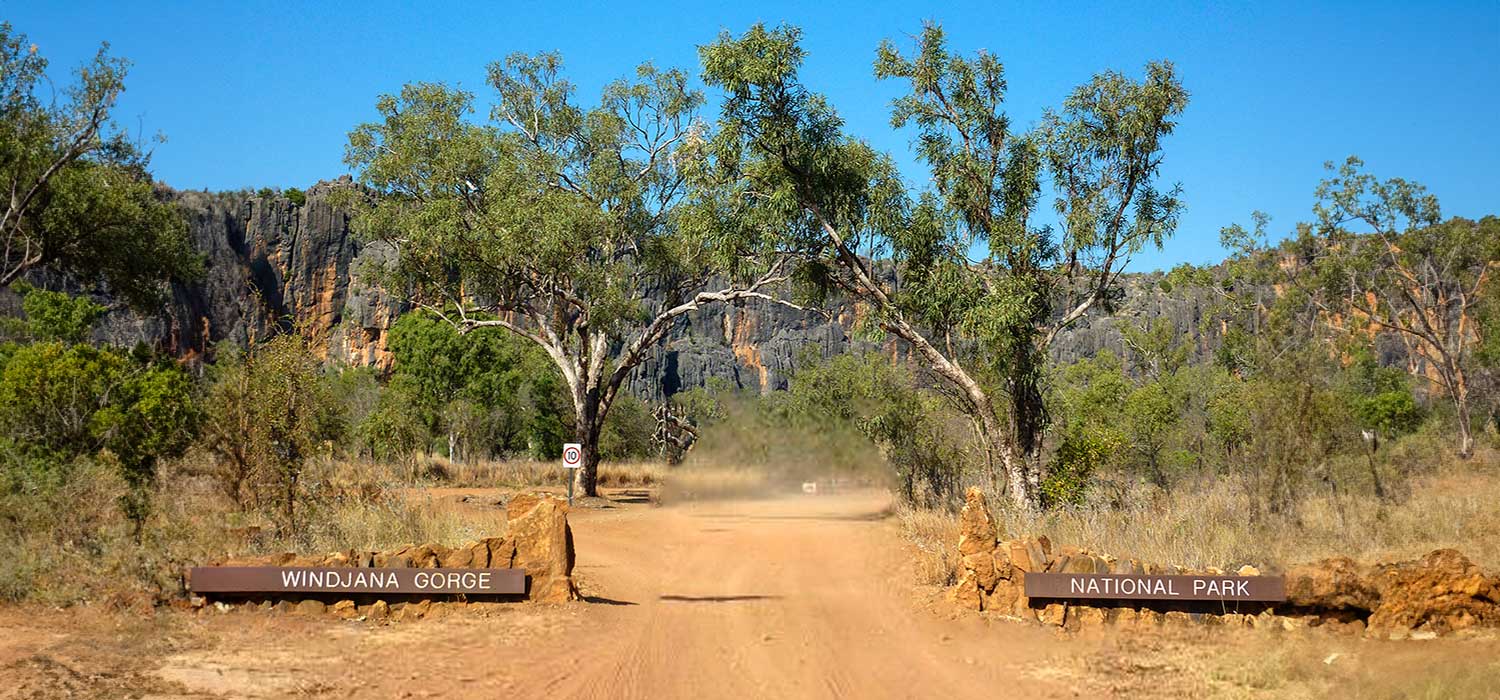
<point x="537" y="540"/>
<point x="1439" y="594"/>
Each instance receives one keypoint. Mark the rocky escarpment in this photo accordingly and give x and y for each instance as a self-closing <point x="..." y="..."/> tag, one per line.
<point x="269" y="264"/>
<point x="273" y="263"/>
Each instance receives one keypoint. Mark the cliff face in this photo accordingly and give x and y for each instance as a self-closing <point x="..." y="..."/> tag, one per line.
<point x="272" y="264"/>
<point x="269" y="264"/>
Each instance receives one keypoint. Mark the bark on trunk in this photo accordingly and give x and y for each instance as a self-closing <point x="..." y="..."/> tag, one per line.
<point x="1465" y="433"/>
<point x="589" y="418"/>
<point x="1023" y="494"/>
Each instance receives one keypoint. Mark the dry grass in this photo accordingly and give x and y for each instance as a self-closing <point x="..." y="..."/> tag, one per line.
<point x="1272" y="664"/>
<point x="935" y="534"/>
<point x="493" y="473"/>
<point x="1211" y="524"/>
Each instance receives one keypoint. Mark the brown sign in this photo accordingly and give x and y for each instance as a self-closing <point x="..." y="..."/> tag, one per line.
<point x="308" y="579"/>
<point x="1150" y="587"/>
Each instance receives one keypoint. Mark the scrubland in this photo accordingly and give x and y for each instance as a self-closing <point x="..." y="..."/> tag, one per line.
<point x="1214" y="520"/>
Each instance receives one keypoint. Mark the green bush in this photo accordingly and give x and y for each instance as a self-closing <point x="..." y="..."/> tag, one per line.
<point x="268" y="413"/>
<point x="628" y="430"/>
<point x="882" y="402"/>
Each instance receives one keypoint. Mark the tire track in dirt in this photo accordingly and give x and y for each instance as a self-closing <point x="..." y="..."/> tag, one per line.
<point x="794" y="597"/>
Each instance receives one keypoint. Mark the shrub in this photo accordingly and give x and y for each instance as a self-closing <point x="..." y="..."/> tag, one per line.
<point x="269" y="412"/>
<point x="627" y="430"/>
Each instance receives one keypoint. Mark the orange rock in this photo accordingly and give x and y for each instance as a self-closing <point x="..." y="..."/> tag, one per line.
<point x="983" y="566"/>
<point x="544" y="548"/>
<point x="966" y="592"/>
<point x="976" y="527"/>
<point x="1443" y="592"/>
<point x="1335" y="584"/>
<point x="1054" y="614"/>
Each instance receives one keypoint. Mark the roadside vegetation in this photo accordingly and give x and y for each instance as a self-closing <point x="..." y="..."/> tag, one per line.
<point x="1334" y="392"/>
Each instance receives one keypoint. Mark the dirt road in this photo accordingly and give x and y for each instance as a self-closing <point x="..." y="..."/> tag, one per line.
<point x="799" y="597"/>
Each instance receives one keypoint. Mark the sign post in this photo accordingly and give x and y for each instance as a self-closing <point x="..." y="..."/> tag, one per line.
<point x="572" y="459"/>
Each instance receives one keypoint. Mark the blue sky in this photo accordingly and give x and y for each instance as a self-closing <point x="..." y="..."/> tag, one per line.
<point x="263" y="94"/>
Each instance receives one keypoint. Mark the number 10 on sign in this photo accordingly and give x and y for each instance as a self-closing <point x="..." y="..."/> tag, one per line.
<point x="572" y="459"/>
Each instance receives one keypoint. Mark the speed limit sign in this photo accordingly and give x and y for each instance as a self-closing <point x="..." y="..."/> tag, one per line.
<point x="572" y="455"/>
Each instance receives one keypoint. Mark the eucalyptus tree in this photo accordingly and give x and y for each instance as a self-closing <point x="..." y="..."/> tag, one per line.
<point x="973" y="255"/>
<point x="78" y="200"/>
<point x="1379" y="259"/>
<point x="559" y="223"/>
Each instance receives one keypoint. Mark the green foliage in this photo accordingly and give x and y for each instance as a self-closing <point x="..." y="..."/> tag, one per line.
<point x="152" y="415"/>
<point x="1391" y="413"/>
<point x="56" y="315"/>
<point x="484" y="389"/>
<point x="545" y="434"/>
<point x="570" y="218"/>
<point x="1379" y="258"/>
<point x="1070" y="473"/>
<point x="706" y="405"/>
<point x="359" y="390"/>
<point x="628" y="430"/>
<point x="267" y="413"/>
<point x="295" y="196"/>
<point x="61" y="403"/>
<point x="782" y="153"/>
<point x="51" y="394"/>
<point x="882" y="403"/>
<point x="1381" y="396"/>
<point x="81" y="201"/>
<point x="395" y="430"/>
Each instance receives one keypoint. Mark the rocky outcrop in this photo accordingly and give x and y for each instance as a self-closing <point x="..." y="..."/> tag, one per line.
<point x="537" y="540"/>
<point x="1439" y="594"/>
<point x="272" y="263"/>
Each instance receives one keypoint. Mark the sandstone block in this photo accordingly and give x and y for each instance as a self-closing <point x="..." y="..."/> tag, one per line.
<point x="311" y="607"/>
<point x="1336" y="583"/>
<point x="544" y="547"/>
<point x="1054" y="614"/>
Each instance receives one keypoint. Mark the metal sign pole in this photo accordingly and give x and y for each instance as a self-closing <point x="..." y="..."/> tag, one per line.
<point x="572" y="461"/>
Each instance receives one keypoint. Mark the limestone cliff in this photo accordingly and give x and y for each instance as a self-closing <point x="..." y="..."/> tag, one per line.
<point x="271" y="263"/>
